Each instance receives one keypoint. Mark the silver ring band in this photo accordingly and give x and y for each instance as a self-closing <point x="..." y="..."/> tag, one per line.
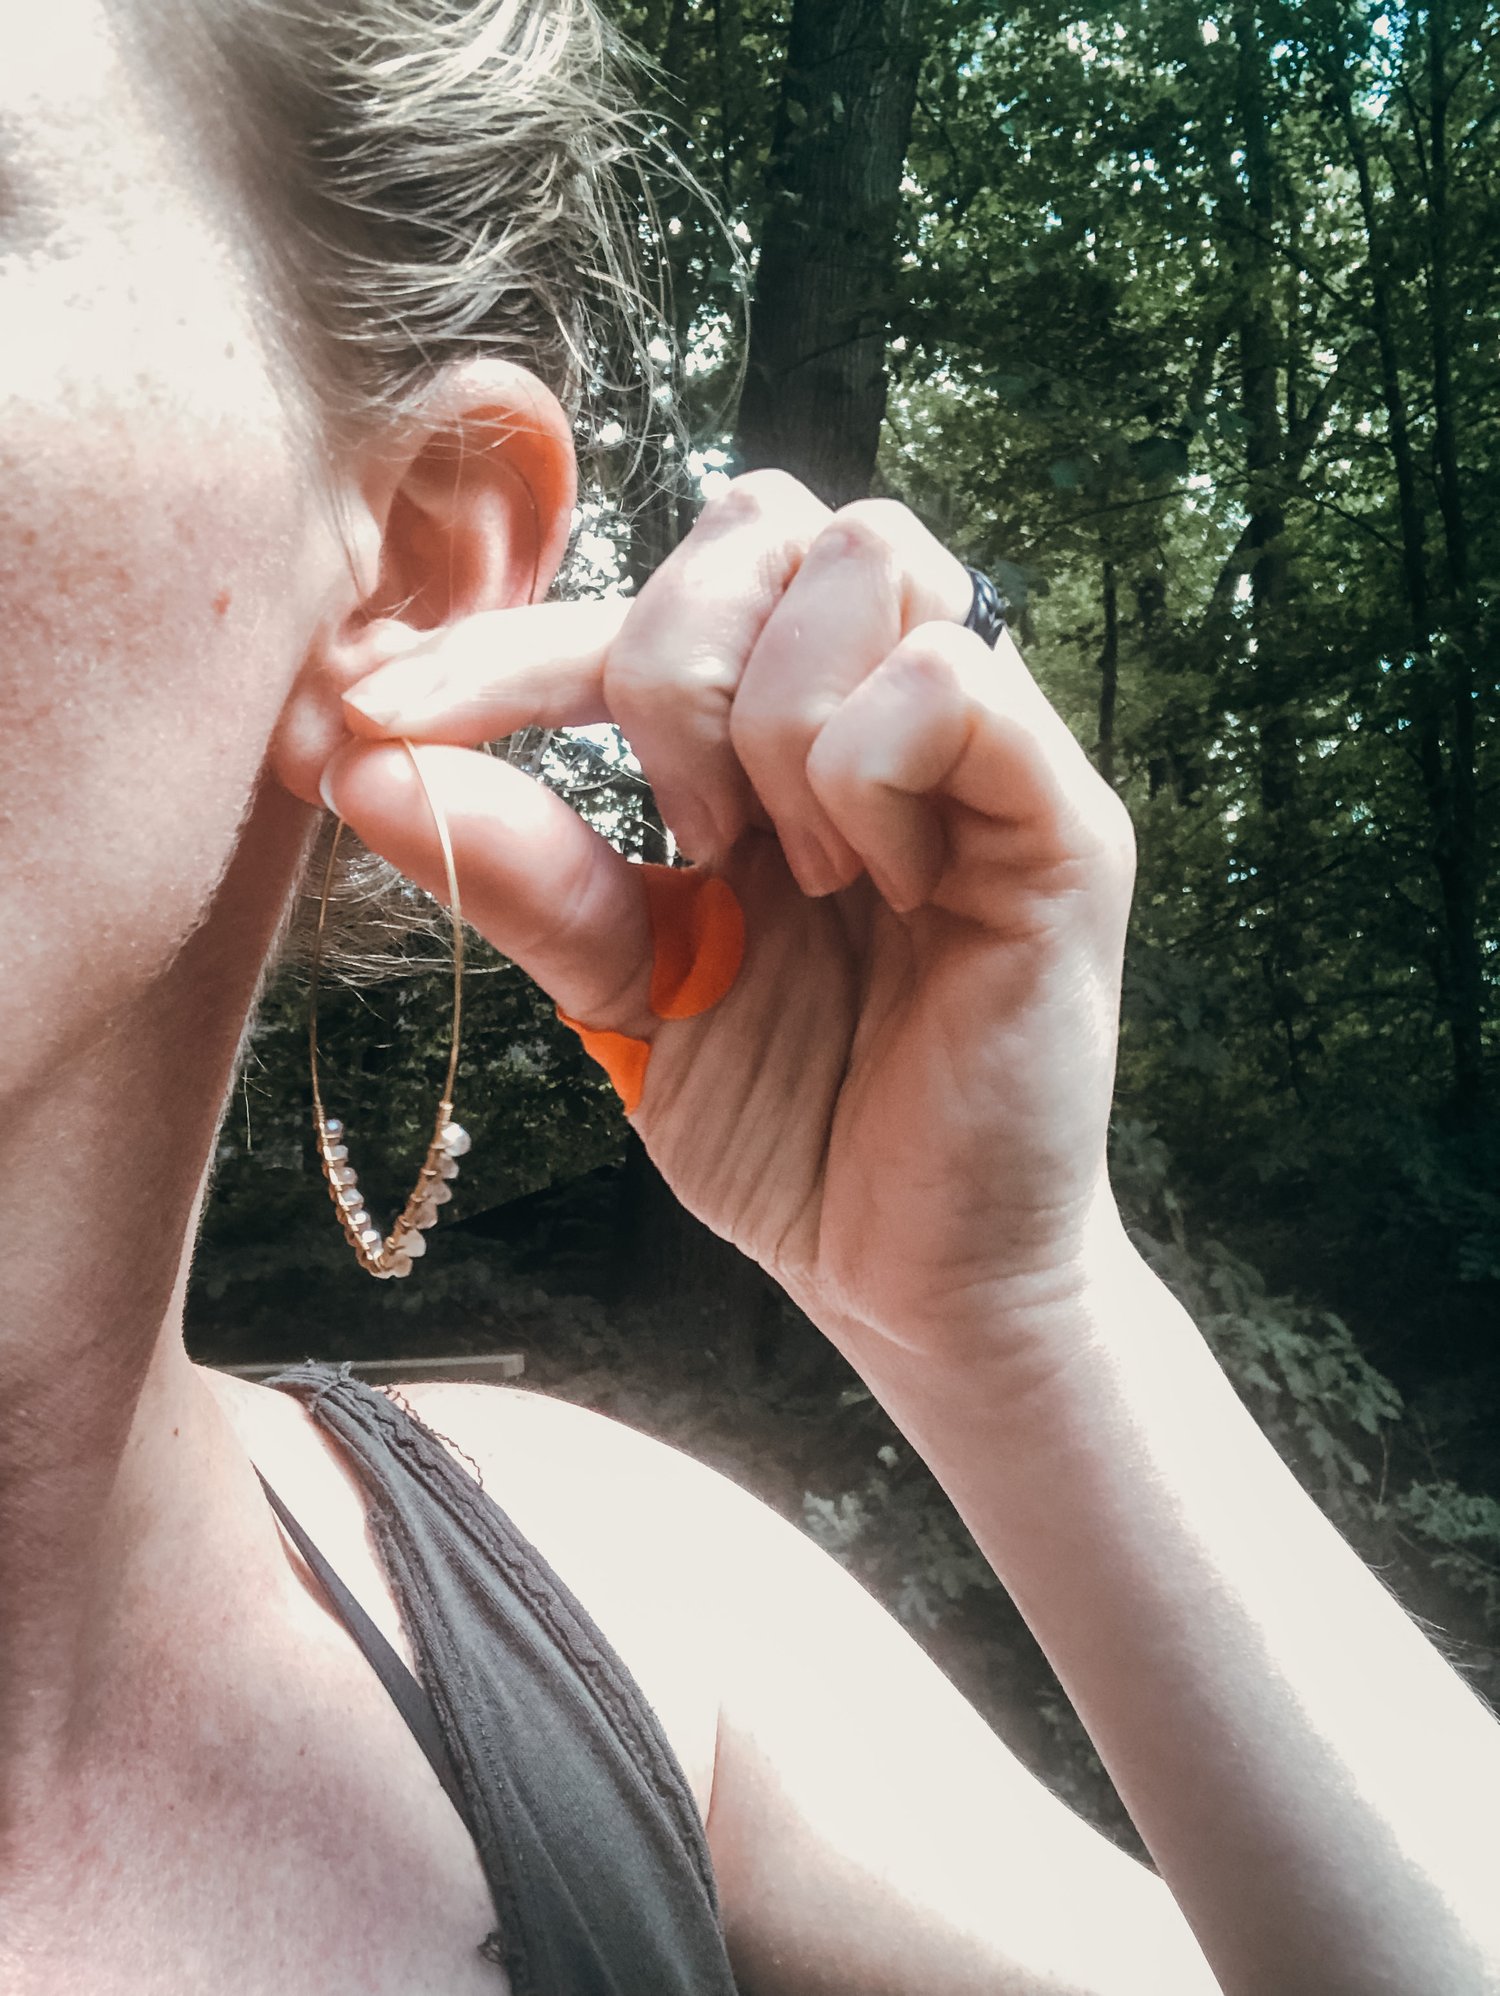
<point x="989" y="609"/>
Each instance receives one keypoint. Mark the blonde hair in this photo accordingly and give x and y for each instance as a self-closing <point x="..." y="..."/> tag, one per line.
<point x="455" y="175"/>
<point x="441" y="177"/>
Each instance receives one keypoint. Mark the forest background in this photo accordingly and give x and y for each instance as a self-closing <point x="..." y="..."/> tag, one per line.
<point x="1182" y="324"/>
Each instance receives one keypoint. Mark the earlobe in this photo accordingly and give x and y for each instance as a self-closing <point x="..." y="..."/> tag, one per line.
<point x="468" y="505"/>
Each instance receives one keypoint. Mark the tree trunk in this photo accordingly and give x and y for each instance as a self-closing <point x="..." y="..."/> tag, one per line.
<point x="815" y="384"/>
<point x="729" y="30"/>
<point x="1463" y="856"/>
<point x="1260" y="406"/>
<point x="662" y="1253"/>
<point x="1281" y="935"/>
<point x="813" y="403"/>
<point x="1445" y="423"/>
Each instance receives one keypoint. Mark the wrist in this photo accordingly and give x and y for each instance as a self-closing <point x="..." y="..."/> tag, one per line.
<point x="1039" y="1372"/>
<point x="1008" y="1334"/>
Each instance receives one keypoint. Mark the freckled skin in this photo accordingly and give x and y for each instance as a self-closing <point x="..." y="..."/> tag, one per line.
<point x="145" y="446"/>
<point x="169" y="578"/>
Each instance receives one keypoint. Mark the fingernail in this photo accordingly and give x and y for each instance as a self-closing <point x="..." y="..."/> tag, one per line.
<point x="325" y="791"/>
<point x="374" y="709"/>
<point x="403" y="689"/>
<point x="693" y="830"/>
<point x="815" y="872"/>
<point x="900" y="898"/>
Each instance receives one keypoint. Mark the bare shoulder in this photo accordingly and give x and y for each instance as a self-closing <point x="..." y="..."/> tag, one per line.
<point x="869" y="1832"/>
<point x="642" y="1518"/>
<point x="583" y="1465"/>
<point x="626" y="1521"/>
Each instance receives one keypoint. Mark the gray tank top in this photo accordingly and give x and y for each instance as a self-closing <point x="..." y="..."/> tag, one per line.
<point x="582" y="1817"/>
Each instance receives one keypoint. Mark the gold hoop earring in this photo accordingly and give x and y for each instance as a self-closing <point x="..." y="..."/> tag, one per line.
<point x="394" y="1254"/>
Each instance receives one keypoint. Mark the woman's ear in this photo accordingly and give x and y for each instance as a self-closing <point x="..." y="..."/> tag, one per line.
<point x="478" y="514"/>
<point x="465" y="505"/>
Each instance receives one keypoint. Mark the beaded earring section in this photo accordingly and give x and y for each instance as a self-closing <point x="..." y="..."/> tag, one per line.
<point x="392" y="1254"/>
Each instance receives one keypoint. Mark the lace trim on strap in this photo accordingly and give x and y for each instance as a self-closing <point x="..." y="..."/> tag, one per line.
<point x="330" y="1391"/>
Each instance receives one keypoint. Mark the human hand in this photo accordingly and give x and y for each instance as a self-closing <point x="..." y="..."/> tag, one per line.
<point x="900" y="1108"/>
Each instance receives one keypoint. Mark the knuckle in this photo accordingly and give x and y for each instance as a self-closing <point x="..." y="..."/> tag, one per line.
<point x="832" y="765"/>
<point x="754" y="496"/>
<point x="690" y="699"/>
<point x="1105" y="832"/>
<point x="929" y="580"/>
<point x="946" y="650"/>
<point x="630" y="671"/>
<point x="871" y="527"/>
<point x="886" y="517"/>
<point x="1117" y="830"/>
<point x="763" y="736"/>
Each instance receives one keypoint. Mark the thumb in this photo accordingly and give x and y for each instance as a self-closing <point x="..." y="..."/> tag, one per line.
<point x="533" y="878"/>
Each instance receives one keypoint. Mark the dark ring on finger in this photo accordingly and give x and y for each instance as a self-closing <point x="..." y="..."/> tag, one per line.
<point x="988" y="611"/>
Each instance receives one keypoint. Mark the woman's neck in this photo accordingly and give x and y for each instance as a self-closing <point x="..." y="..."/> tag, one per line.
<point x="111" y="1454"/>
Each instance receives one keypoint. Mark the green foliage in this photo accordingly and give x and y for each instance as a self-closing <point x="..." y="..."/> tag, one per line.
<point x="1461" y="1531"/>
<point x="1082" y="410"/>
<point x="1295" y="1364"/>
<point x="1339" y="1422"/>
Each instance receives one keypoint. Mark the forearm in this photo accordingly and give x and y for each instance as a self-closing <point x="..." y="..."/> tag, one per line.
<point x="1314" y="1782"/>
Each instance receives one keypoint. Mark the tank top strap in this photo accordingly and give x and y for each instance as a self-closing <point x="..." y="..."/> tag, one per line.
<point x="406" y="1694"/>
<point x="584" y="1821"/>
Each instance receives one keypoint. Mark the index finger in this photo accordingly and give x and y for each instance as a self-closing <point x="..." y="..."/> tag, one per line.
<point x="540" y="665"/>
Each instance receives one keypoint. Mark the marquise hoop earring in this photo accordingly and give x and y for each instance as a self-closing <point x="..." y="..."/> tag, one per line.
<point x="393" y="1254"/>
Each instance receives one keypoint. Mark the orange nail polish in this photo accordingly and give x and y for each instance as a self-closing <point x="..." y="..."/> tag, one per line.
<point x="698" y="932"/>
<point x="698" y="946"/>
<point x="622" y="1057"/>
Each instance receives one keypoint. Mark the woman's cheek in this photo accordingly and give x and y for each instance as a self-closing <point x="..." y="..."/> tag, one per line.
<point x="160" y="564"/>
